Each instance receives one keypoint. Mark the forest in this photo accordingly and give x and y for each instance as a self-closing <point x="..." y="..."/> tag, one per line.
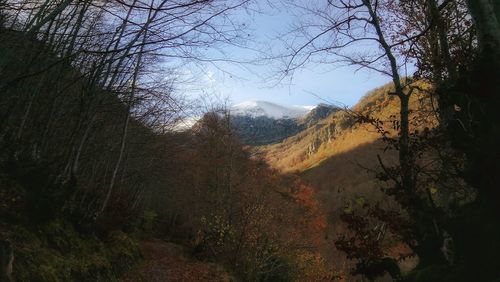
<point x="101" y="179"/>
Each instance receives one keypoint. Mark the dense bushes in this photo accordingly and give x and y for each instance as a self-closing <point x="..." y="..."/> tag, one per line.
<point x="52" y="249"/>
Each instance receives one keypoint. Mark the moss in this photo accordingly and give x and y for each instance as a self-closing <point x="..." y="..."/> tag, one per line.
<point x="54" y="250"/>
<point x="57" y="252"/>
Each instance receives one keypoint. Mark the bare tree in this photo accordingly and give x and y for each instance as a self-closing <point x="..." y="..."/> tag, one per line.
<point x="100" y="55"/>
<point x="359" y="33"/>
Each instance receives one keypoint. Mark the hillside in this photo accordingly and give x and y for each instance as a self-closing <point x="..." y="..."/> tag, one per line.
<point x="85" y="180"/>
<point x="338" y="157"/>
<point x="262" y="130"/>
<point x="339" y="132"/>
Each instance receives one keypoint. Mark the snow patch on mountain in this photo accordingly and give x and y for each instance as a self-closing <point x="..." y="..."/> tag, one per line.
<point x="269" y="109"/>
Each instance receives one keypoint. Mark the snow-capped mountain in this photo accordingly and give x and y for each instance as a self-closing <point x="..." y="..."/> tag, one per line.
<point x="269" y="109"/>
<point x="262" y="122"/>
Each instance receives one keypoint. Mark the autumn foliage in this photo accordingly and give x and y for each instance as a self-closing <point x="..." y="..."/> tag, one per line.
<point x="234" y="209"/>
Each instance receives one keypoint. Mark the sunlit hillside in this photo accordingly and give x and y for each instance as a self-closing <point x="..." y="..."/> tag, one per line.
<point x="338" y="157"/>
<point x="340" y="133"/>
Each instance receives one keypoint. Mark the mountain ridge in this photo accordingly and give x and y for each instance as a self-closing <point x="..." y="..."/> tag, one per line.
<point x="261" y="123"/>
<point x="258" y="108"/>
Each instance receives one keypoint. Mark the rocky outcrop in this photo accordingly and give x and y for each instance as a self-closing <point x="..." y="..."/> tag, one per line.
<point x="313" y="146"/>
<point x="338" y="122"/>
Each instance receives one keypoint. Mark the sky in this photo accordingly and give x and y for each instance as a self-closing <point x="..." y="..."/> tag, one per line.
<point x="311" y="85"/>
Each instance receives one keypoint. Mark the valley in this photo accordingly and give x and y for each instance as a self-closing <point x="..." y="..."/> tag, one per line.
<point x="337" y="157"/>
<point x="155" y="140"/>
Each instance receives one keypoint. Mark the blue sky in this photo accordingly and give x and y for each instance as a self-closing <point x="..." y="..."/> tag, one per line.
<point x="309" y="86"/>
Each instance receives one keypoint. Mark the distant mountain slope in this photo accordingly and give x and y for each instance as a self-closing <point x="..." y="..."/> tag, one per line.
<point x="262" y="130"/>
<point x="261" y="123"/>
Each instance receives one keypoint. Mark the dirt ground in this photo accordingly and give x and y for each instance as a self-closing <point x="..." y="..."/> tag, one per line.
<point x="168" y="262"/>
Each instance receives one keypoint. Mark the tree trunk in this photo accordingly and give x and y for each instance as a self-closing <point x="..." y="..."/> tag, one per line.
<point x="481" y="102"/>
<point x="34" y="29"/>
<point x="486" y="16"/>
<point x="6" y="260"/>
<point x="128" y="113"/>
<point x="444" y="62"/>
<point x="427" y="232"/>
<point x="76" y="28"/>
